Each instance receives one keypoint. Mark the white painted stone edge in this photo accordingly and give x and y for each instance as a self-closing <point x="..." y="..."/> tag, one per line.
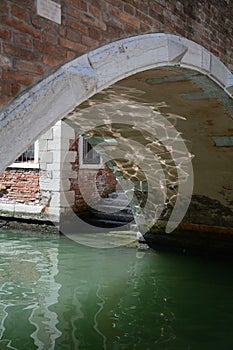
<point x="37" y="109"/>
<point x="20" y="208"/>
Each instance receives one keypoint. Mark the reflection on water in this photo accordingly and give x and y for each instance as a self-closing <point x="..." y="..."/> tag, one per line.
<point x="28" y="288"/>
<point x="56" y="294"/>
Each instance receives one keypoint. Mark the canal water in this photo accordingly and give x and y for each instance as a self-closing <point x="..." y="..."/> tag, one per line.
<point x="57" y="294"/>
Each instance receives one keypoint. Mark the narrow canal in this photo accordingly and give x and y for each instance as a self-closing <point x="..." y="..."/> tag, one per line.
<point x="57" y="294"/>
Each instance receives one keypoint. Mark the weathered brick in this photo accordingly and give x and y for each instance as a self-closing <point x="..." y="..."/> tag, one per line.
<point x="143" y="7"/>
<point x="27" y="66"/>
<point x="95" y="34"/>
<point x="19" y="52"/>
<point x="94" y="12"/>
<point x="161" y="2"/>
<point x="70" y="55"/>
<point x="20" y="13"/>
<point x="50" y="38"/>
<point x="117" y="3"/>
<point x="114" y="12"/>
<point x="113" y="30"/>
<point x="131" y="29"/>
<point x="115" y="22"/>
<point x="80" y="4"/>
<point x="89" y="42"/>
<point x="22" y="40"/>
<point x="77" y="25"/>
<point x="130" y="20"/>
<point x="73" y="35"/>
<point x="49" y="49"/>
<point x="145" y="27"/>
<point x="74" y="12"/>
<point x="62" y="32"/>
<point x="51" y="61"/>
<point x="93" y="22"/>
<point x="30" y="4"/>
<point x="4" y="8"/>
<point x="5" y="34"/>
<point x="129" y="9"/>
<point x="5" y="88"/>
<point x="21" y="185"/>
<point x="45" y="24"/>
<point x="21" y="26"/>
<point x="15" y="89"/>
<point x="19" y="77"/>
<point x="145" y="19"/>
<point x="157" y="16"/>
<point x="4" y="100"/>
<point x="72" y="45"/>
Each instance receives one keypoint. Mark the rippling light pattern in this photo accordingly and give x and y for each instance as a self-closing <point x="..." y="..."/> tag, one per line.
<point x="149" y="157"/>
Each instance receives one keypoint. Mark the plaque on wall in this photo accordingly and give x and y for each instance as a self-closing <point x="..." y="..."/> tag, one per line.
<point x="50" y="10"/>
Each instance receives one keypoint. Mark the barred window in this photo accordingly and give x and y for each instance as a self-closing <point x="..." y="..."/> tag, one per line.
<point x="28" y="159"/>
<point x="88" y="157"/>
<point x="27" y="156"/>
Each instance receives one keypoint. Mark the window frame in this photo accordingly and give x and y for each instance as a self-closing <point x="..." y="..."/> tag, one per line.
<point x="27" y="165"/>
<point x="83" y="165"/>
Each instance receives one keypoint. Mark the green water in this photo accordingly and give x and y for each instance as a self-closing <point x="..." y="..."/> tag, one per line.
<point x="56" y="294"/>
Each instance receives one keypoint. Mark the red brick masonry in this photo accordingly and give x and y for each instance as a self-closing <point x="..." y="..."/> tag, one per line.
<point x="20" y="186"/>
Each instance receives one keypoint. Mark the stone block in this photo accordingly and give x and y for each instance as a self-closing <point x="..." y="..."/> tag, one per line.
<point x="6" y="208"/>
<point x="54" y="184"/>
<point x="65" y="173"/>
<point x="62" y="199"/>
<point x="54" y="166"/>
<point x="28" y="209"/>
<point x="64" y="157"/>
<point x="48" y="135"/>
<point x="55" y="144"/>
<point x="43" y="145"/>
<point x="220" y="72"/>
<point x="193" y="55"/>
<point x="46" y="157"/>
<point x="83" y="78"/>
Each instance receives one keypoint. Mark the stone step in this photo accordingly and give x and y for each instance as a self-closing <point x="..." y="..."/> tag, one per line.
<point x="119" y="216"/>
<point x="119" y="195"/>
<point x="115" y="202"/>
<point x="110" y="223"/>
<point x="114" y="209"/>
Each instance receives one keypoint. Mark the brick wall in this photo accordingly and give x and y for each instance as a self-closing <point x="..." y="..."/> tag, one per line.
<point x="24" y="185"/>
<point x="104" y="180"/>
<point x="20" y="186"/>
<point x="32" y="46"/>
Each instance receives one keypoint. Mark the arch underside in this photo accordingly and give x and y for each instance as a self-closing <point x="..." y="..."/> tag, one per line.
<point x="185" y="120"/>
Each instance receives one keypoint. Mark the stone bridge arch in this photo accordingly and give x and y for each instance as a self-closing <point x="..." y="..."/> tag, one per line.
<point x="50" y="100"/>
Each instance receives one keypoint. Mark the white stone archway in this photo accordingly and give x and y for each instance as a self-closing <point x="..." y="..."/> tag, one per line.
<point x="37" y="109"/>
